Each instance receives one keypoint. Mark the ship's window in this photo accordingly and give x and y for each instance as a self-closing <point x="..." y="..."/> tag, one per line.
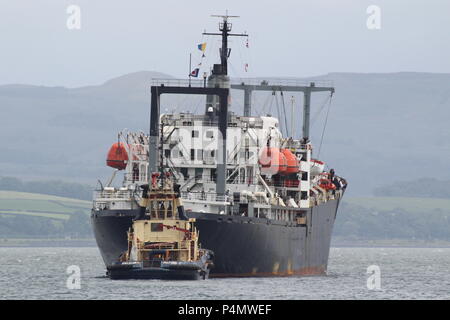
<point x="200" y="154"/>
<point x="135" y="172"/>
<point x="184" y="172"/>
<point x="242" y="175"/>
<point x="174" y="153"/>
<point x="250" y="175"/>
<point x="305" y="176"/>
<point x="198" y="173"/>
<point x="304" y="195"/>
<point x="213" y="175"/>
<point x="167" y="153"/>
<point x="143" y="172"/>
<point x="209" y="134"/>
<point x="194" y="133"/>
<point x="192" y="154"/>
<point x="213" y="154"/>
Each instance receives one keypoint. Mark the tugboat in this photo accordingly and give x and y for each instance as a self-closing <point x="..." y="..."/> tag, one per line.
<point x="262" y="200"/>
<point x="162" y="241"/>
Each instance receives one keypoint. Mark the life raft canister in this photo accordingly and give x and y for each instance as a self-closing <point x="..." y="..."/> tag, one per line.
<point x="291" y="161"/>
<point x="117" y="156"/>
<point x="272" y="161"/>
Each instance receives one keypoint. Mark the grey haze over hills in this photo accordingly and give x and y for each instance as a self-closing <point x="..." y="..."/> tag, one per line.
<point x="381" y="128"/>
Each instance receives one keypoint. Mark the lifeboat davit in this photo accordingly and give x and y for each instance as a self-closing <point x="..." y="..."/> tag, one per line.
<point x="317" y="167"/>
<point x="291" y="161"/>
<point x="272" y="161"/>
<point x="117" y="156"/>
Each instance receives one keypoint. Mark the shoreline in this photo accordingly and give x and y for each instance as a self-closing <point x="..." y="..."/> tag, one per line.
<point x="335" y="243"/>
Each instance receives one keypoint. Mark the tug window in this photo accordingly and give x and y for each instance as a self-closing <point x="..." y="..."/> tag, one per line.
<point x="192" y="154"/>
<point x="209" y="134"/>
<point x="156" y="227"/>
<point x="194" y="133"/>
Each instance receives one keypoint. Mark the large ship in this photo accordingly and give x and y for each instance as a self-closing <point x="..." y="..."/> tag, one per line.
<point x="260" y="200"/>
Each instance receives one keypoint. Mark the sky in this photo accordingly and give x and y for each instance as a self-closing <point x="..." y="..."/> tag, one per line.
<point x="287" y="38"/>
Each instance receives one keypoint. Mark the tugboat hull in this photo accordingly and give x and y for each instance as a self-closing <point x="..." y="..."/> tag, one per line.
<point x="123" y="272"/>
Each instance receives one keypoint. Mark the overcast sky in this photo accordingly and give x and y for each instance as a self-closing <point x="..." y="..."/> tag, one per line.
<point x="287" y="38"/>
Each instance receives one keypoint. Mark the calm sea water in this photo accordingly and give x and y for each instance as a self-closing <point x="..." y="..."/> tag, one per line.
<point x="406" y="273"/>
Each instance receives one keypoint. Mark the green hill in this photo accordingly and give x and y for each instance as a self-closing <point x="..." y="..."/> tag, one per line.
<point x="394" y="218"/>
<point x="38" y="215"/>
<point x="31" y="215"/>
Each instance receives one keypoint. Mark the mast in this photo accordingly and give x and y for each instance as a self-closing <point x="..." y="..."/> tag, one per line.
<point x="225" y="28"/>
<point x="219" y="75"/>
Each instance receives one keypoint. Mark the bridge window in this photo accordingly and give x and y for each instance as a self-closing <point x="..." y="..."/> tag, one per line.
<point x="156" y="227"/>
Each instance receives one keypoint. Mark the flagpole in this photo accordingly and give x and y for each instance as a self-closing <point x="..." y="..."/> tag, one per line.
<point x="190" y="66"/>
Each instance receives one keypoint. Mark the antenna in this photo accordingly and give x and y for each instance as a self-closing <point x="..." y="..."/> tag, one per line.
<point x="225" y="17"/>
<point x="225" y="28"/>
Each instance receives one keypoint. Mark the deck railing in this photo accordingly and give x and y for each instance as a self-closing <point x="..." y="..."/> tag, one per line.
<point x="113" y="194"/>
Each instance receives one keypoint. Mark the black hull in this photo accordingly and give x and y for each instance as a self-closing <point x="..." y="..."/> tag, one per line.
<point x="155" y="273"/>
<point x="242" y="246"/>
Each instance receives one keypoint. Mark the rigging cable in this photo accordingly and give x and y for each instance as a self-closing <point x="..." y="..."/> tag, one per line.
<point x="324" y="126"/>
<point x="284" y="111"/>
<point x="266" y="103"/>
<point x="278" y="109"/>
<point x="316" y="115"/>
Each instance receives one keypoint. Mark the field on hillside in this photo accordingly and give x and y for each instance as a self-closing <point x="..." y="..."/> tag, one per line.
<point x="40" y="205"/>
<point x="40" y="216"/>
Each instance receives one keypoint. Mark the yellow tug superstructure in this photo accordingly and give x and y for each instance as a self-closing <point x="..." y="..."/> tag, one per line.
<point x="162" y="242"/>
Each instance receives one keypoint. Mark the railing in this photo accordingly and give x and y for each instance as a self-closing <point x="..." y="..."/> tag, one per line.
<point x="178" y="82"/>
<point x="204" y="196"/>
<point x="116" y="194"/>
<point x="247" y="81"/>
<point x="282" y="82"/>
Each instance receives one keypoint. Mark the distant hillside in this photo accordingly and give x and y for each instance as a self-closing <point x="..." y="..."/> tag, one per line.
<point x="382" y="128"/>
<point x="31" y="215"/>
<point x="423" y="188"/>
<point x="28" y="215"/>
<point x="50" y="187"/>
<point x="393" y="218"/>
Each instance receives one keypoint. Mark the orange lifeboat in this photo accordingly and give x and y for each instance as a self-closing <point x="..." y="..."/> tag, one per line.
<point x="117" y="156"/>
<point x="292" y="161"/>
<point x="272" y="161"/>
<point x="327" y="184"/>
